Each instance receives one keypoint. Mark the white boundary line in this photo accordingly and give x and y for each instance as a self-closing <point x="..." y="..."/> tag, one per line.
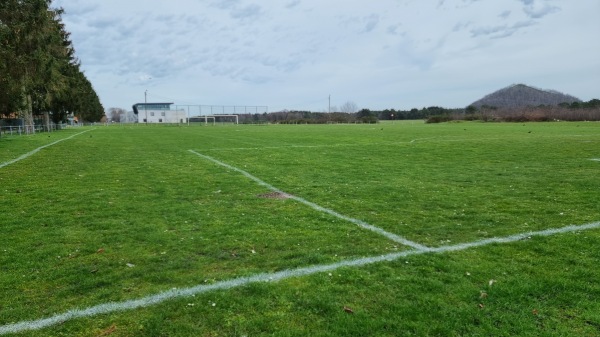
<point x="266" y="277"/>
<point x="30" y="153"/>
<point x="357" y="222"/>
<point x="408" y="142"/>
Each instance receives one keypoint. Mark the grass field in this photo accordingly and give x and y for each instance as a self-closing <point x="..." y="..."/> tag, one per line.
<point x="395" y="229"/>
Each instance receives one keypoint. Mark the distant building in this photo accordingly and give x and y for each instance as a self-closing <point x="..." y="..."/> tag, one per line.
<point x="159" y="113"/>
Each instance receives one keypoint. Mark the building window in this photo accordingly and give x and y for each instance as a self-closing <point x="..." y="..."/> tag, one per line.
<point x="162" y="113"/>
<point x="160" y="120"/>
<point x="152" y="114"/>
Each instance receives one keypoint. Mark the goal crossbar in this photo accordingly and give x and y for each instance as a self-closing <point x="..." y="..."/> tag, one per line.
<point x="214" y="117"/>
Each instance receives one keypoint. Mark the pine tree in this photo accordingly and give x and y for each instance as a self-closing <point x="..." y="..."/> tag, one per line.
<point x="41" y="74"/>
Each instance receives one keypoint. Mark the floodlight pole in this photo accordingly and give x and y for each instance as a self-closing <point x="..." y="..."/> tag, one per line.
<point x="329" y="109"/>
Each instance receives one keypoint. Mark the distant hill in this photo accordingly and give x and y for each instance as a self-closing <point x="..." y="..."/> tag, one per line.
<point x="520" y="95"/>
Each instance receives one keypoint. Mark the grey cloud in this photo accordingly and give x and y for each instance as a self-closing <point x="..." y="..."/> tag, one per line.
<point x="285" y="63"/>
<point x="292" y="4"/>
<point x="505" y="14"/>
<point x="371" y="22"/>
<point x="522" y="24"/>
<point x="192" y="20"/>
<point x="218" y="69"/>
<point x="245" y="63"/>
<point x="158" y="66"/>
<point x="164" y="18"/>
<point x="393" y="30"/>
<point x="237" y="11"/>
<point x="500" y="31"/>
<point x="170" y="60"/>
<point x="250" y="11"/>
<point x="225" y="4"/>
<point x="460" y="26"/>
<point x="538" y="13"/>
<point x="269" y="62"/>
<point x="291" y="64"/>
<point x="413" y="53"/>
<point x="487" y="30"/>
<point x="464" y="4"/>
<point x="361" y="25"/>
<point x="256" y="79"/>
<point x="103" y="22"/>
<point x="422" y="60"/>
<point x="539" y="9"/>
<point x="82" y="10"/>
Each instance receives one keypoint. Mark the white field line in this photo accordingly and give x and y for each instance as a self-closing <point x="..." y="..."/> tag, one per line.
<point x="417" y="140"/>
<point x="357" y="222"/>
<point x="266" y="277"/>
<point x="276" y="147"/>
<point x="30" y="153"/>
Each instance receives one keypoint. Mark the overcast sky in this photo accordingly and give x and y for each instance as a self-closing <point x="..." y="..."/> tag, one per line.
<point x="293" y="54"/>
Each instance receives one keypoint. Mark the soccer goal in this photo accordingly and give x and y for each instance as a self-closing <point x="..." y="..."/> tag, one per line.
<point x="225" y="114"/>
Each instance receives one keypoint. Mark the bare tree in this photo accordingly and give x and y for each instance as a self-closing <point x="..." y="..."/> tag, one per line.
<point x="117" y="114"/>
<point x="349" y="107"/>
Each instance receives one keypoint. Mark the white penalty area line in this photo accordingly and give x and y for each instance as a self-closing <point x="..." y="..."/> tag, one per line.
<point x="267" y="277"/>
<point x="30" y="153"/>
<point x="357" y="222"/>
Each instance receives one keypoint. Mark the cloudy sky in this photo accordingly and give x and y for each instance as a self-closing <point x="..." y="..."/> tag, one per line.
<point x="293" y="54"/>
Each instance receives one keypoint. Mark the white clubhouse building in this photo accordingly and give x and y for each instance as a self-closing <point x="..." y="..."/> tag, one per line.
<point x="159" y="113"/>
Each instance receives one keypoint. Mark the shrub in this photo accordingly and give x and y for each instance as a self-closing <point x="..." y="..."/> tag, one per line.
<point x="438" y="118"/>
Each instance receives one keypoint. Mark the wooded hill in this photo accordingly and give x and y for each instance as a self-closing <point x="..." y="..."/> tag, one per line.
<point x="521" y="95"/>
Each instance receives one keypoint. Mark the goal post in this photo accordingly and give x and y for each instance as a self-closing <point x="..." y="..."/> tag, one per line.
<point x="221" y="113"/>
<point x="237" y="117"/>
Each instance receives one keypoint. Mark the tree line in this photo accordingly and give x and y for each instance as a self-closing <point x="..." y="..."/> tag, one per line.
<point x="362" y="116"/>
<point x="575" y="111"/>
<point x="41" y="79"/>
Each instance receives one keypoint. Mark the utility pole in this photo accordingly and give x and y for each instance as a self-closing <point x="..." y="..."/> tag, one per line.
<point x="146" y="105"/>
<point x="329" y="109"/>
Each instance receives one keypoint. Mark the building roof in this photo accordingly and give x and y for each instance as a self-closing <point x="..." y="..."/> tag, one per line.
<point x="152" y="106"/>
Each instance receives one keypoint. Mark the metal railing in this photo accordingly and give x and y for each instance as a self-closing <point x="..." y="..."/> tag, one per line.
<point x="17" y="130"/>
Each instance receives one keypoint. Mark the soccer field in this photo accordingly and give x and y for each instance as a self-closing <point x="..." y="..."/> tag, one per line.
<point x="394" y="229"/>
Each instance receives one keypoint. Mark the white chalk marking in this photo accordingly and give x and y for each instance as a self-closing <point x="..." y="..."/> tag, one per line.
<point x="266" y="277"/>
<point x="274" y="147"/>
<point x="357" y="222"/>
<point x="595" y="159"/>
<point x="360" y="223"/>
<point x="517" y="237"/>
<point x="292" y="146"/>
<point x="30" y="153"/>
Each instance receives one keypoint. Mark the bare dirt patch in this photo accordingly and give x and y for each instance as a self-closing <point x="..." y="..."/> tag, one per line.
<point x="274" y="195"/>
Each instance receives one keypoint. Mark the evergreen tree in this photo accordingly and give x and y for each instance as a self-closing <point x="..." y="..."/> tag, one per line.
<point x="41" y="74"/>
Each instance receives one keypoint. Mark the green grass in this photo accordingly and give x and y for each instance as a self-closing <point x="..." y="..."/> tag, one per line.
<point x="76" y="213"/>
